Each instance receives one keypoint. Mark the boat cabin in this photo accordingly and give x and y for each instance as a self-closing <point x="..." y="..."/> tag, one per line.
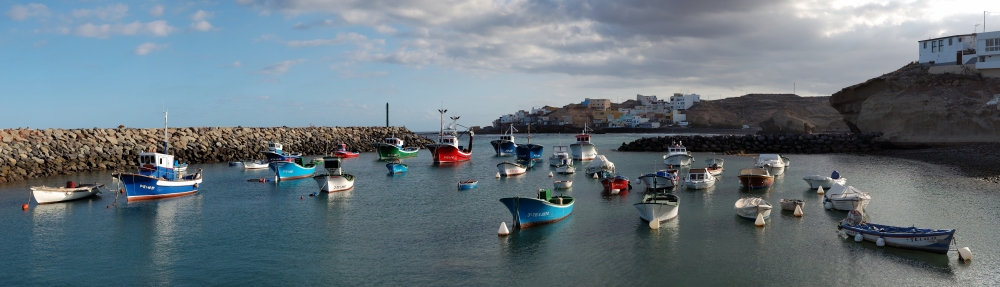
<point x="676" y="149"/>
<point x="274" y="147"/>
<point x="157" y="165"/>
<point x="560" y="149"/>
<point x="583" y="138"/>
<point x="394" y="141"/>
<point x="507" y="138"/>
<point x="342" y="147"/>
<point x="449" y="140"/>
<point x="332" y="165"/>
<point x="698" y="174"/>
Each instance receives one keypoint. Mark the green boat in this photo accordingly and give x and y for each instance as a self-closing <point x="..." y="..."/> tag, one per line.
<point x="393" y="148"/>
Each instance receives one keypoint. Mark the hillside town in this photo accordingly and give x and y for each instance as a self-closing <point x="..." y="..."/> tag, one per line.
<point x="643" y="112"/>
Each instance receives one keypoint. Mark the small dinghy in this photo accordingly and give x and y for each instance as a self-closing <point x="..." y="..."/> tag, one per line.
<point x="749" y="207"/>
<point x="664" y="178"/>
<point x="72" y="191"/>
<point x="815" y="181"/>
<point x="396" y="166"/>
<point x="334" y="179"/>
<point x="562" y="184"/>
<point x="468" y="184"/>
<point x="789" y="204"/>
<point x="845" y="198"/>
<point x="929" y="240"/>
<point x="511" y="168"/>
<point x="699" y="178"/>
<point x="342" y="152"/>
<point x="659" y="206"/>
<point x="257" y="164"/>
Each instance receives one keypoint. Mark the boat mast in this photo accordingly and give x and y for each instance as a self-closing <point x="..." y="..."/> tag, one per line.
<point x="165" y="144"/>
<point x="441" y="133"/>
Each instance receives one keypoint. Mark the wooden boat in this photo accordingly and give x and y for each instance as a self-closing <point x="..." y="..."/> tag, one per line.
<point x="755" y="177"/>
<point x="562" y="184"/>
<point x="677" y="155"/>
<point x="505" y="145"/>
<point x="545" y="208"/>
<point x="929" y="240"/>
<point x="582" y="149"/>
<point x="72" y="191"/>
<point x="664" y="178"/>
<point x="511" y="168"/>
<point x="815" y="181"/>
<point x="257" y="164"/>
<point x="617" y="182"/>
<point x="334" y="179"/>
<point x="847" y="198"/>
<point x="342" y="152"/>
<point x="699" y="178"/>
<point x="658" y="206"/>
<point x="156" y="177"/>
<point x="396" y="166"/>
<point x="749" y="207"/>
<point x="468" y="184"/>
<point x="775" y="164"/>
<point x="790" y="204"/>
<point x="447" y="150"/>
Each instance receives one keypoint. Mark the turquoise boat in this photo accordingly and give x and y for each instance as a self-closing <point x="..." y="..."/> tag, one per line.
<point x="295" y="169"/>
<point x="396" y="167"/>
<point x="543" y="209"/>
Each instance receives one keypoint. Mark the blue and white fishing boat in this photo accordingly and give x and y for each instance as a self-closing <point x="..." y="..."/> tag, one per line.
<point x="930" y="240"/>
<point x="529" y="151"/>
<point x="468" y="184"/>
<point x="287" y="165"/>
<point x="396" y="167"/>
<point x="543" y="209"/>
<point x="505" y="145"/>
<point x="157" y="176"/>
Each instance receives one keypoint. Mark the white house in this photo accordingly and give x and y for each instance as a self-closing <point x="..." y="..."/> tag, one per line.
<point x="950" y="50"/>
<point x="645" y="100"/>
<point x="682" y="102"/>
<point x="988" y="51"/>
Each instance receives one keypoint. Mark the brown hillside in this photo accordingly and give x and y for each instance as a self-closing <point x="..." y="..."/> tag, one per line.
<point x="772" y="112"/>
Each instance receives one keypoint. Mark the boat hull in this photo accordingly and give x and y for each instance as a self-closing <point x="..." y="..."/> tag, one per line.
<point x="934" y="241"/>
<point x="396" y="167"/>
<point x="846" y="204"/>
<point x="825" y="182"/>
<point x="503" y="147"/>
<point x="448" y="154"/>
<point x="613" y="183"/>
<point x="510" y="169"/>
<point x="467" y="185"/>
<point x="291" y="170"/>
<point x="699" y="184"/>
<point x="790" y="204"/>
<point x="714" y="170"/>
<point x="562" y="184"/>
<point x="388" y="151"/>
<point x="334" y="183"/>
<point x="756" y="181"/>
<point x="657" y="182"/>
<point x="345" y="154"/>
<point x="566" y="169"/>
<point x="583" y="151"/>
<point x="255" y="165"/>
<point x="660" y="211"/>
<point x="529" y="152"/>
<point x="141" y="187"/>
<point x="749" y="208"/>
<point x="45" y="195"/>
<point x="532" y="211"/>
<point x="678" y="160"/>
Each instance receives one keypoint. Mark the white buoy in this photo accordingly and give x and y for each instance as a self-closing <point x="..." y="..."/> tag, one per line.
<point x="828" y="205"/>
<point x="880" y="242"/>
<point x="550" y="174"/>
<point x="964" y="254"/>
<point x="819" y="190"/>
<point x="503" y="229"/>
<point x="655" y="224"/>
<point x="498" y="175"/>
<point x="595" y="175"/>
<point x="858" y="237"/>
<point x="798" y="211"/>
<point x="760" y="220"/>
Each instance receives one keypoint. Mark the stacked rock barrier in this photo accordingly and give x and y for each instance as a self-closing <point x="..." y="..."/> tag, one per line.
<point x="32" y="153"/>
<point x="764" y="143"/>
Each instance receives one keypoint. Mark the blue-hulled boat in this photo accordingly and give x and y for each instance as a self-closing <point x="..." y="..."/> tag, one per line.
<point x="287" y="165"/>
<point x="396" y="167"/>
<point x="505" y="145"/>
<point x="543" y="209"/>
<point x="529" y="151"/>
<point x="157" y="176"/>
<point x="929" y="240"/>
<point x="468" y="184"/>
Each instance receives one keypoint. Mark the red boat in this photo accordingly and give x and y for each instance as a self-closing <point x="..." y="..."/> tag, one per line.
<point x="619" y="182"/>
<point x="344" y="153"/>
<point x="447" y="149"/>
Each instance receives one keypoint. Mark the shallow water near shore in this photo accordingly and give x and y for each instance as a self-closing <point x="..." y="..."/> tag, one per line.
<point x="419" y="229"/>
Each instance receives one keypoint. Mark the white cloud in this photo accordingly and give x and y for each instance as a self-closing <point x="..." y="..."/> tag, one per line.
<point x="281" y="67"/>
<point x="237" y="64"/>
<point x="201" y="15"/>
<point x="23" y="12"/>
<point x="156" y="28"/>
<point x="341" y="38"/>
<point x="385" y="29"/>
<point x="201" y="26"/>
<point x="148" y="47"/>
<point x="110" y="13"/>
<point x="157" y="11"/>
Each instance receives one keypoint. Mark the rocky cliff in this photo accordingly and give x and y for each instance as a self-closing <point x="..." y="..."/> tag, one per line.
<point x="30" y="153"/>
<point x="911" y="106"/>
<point x="774" y="113"/>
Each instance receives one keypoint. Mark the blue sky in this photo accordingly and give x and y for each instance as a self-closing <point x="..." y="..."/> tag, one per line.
<point x="83" y="64"/>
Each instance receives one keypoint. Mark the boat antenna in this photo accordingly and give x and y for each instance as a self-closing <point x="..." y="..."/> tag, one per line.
<point x="166" y="145"/>
<point x="441" y="133"/>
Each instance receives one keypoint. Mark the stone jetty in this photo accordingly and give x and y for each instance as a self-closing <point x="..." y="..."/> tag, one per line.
<point x="762" y="143"/>
<point x="32" y="153"/>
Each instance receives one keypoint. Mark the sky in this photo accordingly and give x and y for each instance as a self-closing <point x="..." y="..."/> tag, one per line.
<point x="264" y="63"/>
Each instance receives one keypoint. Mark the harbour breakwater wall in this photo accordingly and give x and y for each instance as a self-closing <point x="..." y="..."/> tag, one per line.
<point x="763" y="143"/>
<point x="32" y="153"/>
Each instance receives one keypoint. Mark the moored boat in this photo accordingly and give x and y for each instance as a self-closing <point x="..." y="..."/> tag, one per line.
<point x="566" y="167"/>
<point x="600" y="164"/>
<point x="72" y="191"/>
<point x="816" y="181"/>
<point x="287" y="166"/>
<point x="714" y="169"/>
<point x="699" y="178"/>
<point x="334" y="179"/>
<point x="529" y="151"/>
<point x="257" y="164"/>
<point x="392" y="148"/>
<point x="841" y="197"/>
<point x="559" y="153"/>
<point x="749" y="207"/>
<point x="929" y="240"/>
<point x="156" y="177"/>
<point x="677" y="155"/>
<point x="775" y="164"/>
<point x="511" y="168"/>
<point x="755" y="177"/>
<point x="582" y="149"/>
<point x="505" y="145"/>
<point x="342" y="152"/>
<point x="714" y="165"/>
<point x="396" y="166"/>
<point x="545" y="208"/>
<point x="790" y="204"/>
<point x="468" y="184"/>
<point x="447" y="150"/>
<point x="659" y="206"/>
<point x="562" y="184"/>
<point x="617" y="182"/>
<point x="664" y="178"/>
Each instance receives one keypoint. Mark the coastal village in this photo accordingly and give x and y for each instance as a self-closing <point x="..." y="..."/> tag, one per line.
<point x="645" y="112"/>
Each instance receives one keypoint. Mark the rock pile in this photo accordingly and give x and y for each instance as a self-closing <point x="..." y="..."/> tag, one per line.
<point x="31" y="153"/>
<point x="763" y="143"/>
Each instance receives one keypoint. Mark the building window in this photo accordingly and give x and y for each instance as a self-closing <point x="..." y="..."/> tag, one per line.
<point x="940" y="45"/>
<point x="933" y="46"/>
<point x="992" y="44"/>
<point x="925" y="45"/>
<point x="949" y="41"/>
<point x="960" y="39"/>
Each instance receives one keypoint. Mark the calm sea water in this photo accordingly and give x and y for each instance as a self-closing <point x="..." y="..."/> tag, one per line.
<point x="418" y="229"/>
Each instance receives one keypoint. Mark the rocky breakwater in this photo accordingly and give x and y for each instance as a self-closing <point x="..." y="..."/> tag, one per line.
<point x="31" y="153"/>
<point x="763" y="143"/>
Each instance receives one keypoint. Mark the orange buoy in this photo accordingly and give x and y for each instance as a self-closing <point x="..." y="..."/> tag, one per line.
<point x="122" y="191"/>
<point x="24" y="207"/>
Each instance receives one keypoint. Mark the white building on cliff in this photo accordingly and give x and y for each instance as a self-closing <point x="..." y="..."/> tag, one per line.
<point x="977" y="51"/>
